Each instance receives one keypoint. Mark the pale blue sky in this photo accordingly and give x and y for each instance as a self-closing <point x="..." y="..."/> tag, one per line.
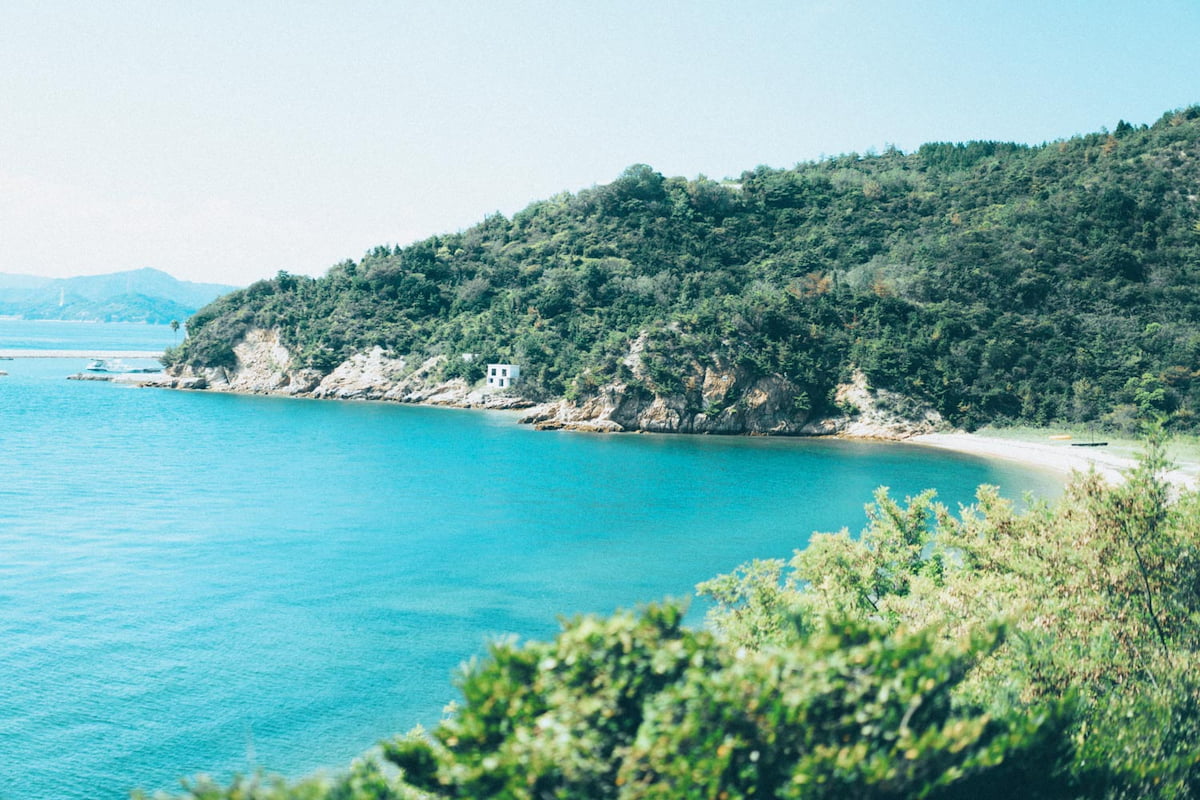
<point x="226" y="140"/>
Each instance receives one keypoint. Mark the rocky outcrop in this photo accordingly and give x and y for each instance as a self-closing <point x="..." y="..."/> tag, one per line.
<point x="719" y="397"/>
<point x="870" y="413"/>
<point x="723" y="398"/>
<point x="736" y="405"/>
<point x="716" y="397"/>
<point x="263" y="365"/>
<point x="727" y="403"/>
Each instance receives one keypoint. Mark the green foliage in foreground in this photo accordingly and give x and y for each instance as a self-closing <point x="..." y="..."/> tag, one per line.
<point x="366" y="779"/>
<point x="1101" y="593"/>
<point x="1048" y="653"/>
<point x="639" y="707"/>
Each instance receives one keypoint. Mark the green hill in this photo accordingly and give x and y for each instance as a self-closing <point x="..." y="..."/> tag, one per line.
<point x="992" y="281"/>
<point x="143" y="295"/>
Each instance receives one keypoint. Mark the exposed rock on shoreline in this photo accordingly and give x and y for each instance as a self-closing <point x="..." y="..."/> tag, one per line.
<point x="761" y="408"/>
<point x="263" y="366"/>
<point x="718" y="398"/>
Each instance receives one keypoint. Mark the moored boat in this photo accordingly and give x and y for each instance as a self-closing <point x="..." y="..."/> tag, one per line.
<point x="114" y="366"/>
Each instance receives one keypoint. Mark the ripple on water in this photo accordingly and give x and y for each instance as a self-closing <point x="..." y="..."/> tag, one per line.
<point x="194" y="582"/>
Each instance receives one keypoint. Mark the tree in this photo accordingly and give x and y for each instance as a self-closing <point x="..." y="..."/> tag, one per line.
<point x="640" y="707"/>
<point x="1101" y="593"/>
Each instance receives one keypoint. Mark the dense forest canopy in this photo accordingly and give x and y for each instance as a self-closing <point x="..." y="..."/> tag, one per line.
<point x="996" y="282"/>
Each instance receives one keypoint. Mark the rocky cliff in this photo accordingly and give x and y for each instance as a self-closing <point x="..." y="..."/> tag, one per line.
<point x="723" y="398"/>
<point x="264" y="366"/>
<point x="718" y="397"/>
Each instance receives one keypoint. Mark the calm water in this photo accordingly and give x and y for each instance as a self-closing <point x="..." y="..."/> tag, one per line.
<point x="194" y="582"/>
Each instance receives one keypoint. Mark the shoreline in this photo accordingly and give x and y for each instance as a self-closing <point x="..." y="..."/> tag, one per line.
<point x="1061" y="457"/>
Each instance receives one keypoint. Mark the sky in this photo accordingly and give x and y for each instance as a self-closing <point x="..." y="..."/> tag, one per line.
<point x="226" y="140"/>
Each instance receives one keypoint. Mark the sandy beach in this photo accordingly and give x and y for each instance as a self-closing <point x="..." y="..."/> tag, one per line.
<point x="1059" y="456"/>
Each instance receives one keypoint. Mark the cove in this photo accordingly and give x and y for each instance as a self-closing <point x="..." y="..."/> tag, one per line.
<point x="201" y="582"/>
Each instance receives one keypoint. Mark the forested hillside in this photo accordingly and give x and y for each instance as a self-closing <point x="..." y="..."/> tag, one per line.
<point x="996" y="282"/>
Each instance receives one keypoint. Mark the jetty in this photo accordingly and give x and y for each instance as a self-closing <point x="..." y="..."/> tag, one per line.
<point x="8" y="354"/>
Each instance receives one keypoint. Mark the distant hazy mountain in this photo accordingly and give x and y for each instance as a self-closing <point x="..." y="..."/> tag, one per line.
<point x="140" y="295"/>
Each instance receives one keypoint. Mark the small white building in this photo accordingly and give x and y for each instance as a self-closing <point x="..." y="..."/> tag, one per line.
<point x="502" y="376"/>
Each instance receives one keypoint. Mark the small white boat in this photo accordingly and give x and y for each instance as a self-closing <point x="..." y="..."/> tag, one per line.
<point x="114" y="366"/>
<point x="107" y="365"/>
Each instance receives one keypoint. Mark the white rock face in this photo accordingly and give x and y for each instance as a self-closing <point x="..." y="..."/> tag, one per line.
<point x="734" y="404"/>
<point x="719" y="397"/>
<point x="264" y="367"/>
<point x="363" y="375"/>
<point x="882" y="414"/>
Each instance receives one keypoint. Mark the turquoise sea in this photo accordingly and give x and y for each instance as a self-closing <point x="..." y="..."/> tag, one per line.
<point x="196" y="582"/>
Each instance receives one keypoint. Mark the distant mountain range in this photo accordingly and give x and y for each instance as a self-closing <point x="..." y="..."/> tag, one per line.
<point x="140" y="295"/>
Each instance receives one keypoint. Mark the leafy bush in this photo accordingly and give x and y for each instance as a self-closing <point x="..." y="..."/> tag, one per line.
<point x="1101" y="591"/>
<point x="640" y="707"/>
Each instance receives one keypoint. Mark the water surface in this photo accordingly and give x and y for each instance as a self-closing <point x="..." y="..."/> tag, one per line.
<point x="202" y="582"/>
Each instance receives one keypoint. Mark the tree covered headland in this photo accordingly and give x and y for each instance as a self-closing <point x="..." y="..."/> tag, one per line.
<point x="997" y="282"/>
<point x="1050" y="653"/>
